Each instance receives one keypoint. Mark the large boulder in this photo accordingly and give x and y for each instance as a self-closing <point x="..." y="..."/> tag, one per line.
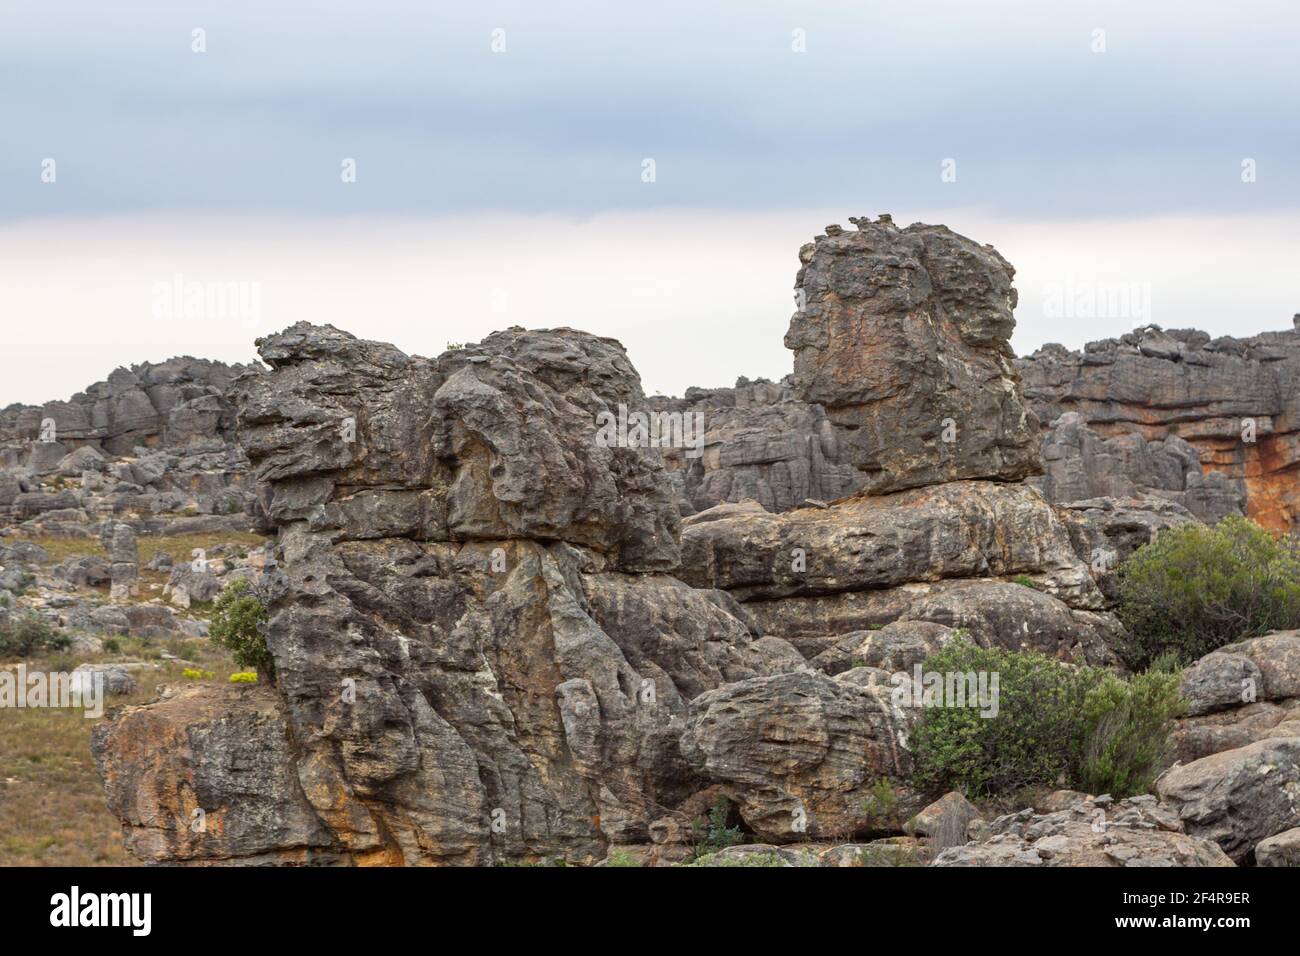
<point x="962" y="529"/>
<point x="1280" y="850"/>
<point x="817" y="576"/>
<point x="206" y="776"/>
<point x="1239" y="797"/>
<point x="1200" y="736"/>
<point x="800" y="753"/>
<point x="902" y="335"/>
<point x="1219" y="681"/>
<point x="1277" y="657"/>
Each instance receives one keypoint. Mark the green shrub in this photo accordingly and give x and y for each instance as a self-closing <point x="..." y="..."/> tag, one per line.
<point x="881" y="806"/>
<point x="1196" y="588"/>
<point x="714" y="834"/>
<point x="243" y="677"/>
<point x="621" y="858"/>
<point x="1035" y="739"/>
<point x="1056" y="724"/>
<point x="236" y="625"/>
<point x="112" y="645"/>
<point x="27" y="634"/>
<point x="1126" y="726"/>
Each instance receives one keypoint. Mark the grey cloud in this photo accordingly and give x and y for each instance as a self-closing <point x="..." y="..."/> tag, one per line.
<point x="1038" y="124"/>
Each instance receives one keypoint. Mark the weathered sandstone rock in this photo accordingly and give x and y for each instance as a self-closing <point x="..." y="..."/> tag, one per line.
<point x="1089" y="832"/>
<point x="1239" y="797"/>
<point x="206" y="777"/>
<point x="1280" y="850"/>
<point x="902" y="335"/>
<point x="954" y="530"/>
<point x="477" y="657"/>
<point x="798" y="752"/>
<point x="1219" y="681"/>
<point x="1235" y="401"/>
<point x="817" y="576"/>
<point x="1079" y="465"/>
<point x="759" y="443"/>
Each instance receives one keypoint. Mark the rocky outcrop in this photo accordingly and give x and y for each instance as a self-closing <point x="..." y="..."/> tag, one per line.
<point x="206" y="776"/>
<point x="147" y="454"/>
<point x="759" y="443"/>
<point x="477" y="652"/>
<point x="903" y="377"/>
<point x="1090" y="831"/>
<point x="1234" y="401"/>
<point x="1240" y="797"/>
<point x="172" y="405"/>
<point x="502" y="632"/>
<point x="902" y="335"/>
<point x="153" y="445"/>
<point x="945" y="554"/>
<point x="1080" y="465"/>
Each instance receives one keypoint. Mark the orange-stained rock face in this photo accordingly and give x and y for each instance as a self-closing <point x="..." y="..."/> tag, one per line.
<point x="1272" y="474"/>
<point x="1236" y="402"/>
<point x="205" y="775"/>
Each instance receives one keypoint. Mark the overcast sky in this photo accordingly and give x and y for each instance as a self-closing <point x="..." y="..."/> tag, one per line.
<point x="500" y="154"/>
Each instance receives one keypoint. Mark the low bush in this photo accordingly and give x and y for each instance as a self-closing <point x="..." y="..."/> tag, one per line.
<point x="1035" y="738"/>
<point x="1126" y="732"/>
<point x="714" y="834"/>
<point x="24" y="635"/>
<point x="1196" y="588"/>
<point x="1056" y="725"/>
<point x="237" y="616"/>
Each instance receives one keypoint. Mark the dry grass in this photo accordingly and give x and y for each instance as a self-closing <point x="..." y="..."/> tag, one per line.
<point x="181" y="547"/>
<point x="52" y="809"/>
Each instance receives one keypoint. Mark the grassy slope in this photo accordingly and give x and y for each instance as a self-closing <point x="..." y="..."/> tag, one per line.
<point x="52" y="810"/>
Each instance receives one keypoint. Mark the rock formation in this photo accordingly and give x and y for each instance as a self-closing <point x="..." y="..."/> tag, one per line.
<point x="902" y="335"/>
<point x="500" y="635"/>
<point x="1087" y="832"/>
<point x="148" y="454"/>
<point x="170" y="404"/>
<point x="153" y="443"/>
<point x="1236" y="402"/>
<point x="476" y="644"/>
<point x="760" y="443"/>
<point x="1081" y="467"/>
